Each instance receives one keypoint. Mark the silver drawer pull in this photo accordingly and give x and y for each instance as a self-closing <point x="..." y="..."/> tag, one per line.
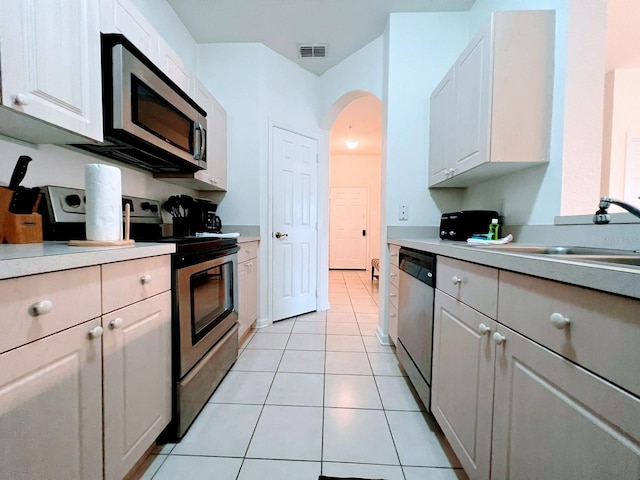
<point x="393" y="315"/>
<point x="393" y="295"/>
<point x="41" y="308"/>
<point x="559" y="321"/>
<point x="145" y="279"/>
<point x="456" y="280"/>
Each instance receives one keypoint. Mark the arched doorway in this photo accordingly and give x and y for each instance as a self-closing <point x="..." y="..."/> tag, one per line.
<point x="355" y="181"/>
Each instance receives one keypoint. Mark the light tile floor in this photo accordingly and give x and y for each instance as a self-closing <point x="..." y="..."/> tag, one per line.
<point x="309" y="395"/>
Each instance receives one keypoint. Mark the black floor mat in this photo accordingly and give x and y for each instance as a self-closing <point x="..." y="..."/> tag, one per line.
<point x="322" y="477"/>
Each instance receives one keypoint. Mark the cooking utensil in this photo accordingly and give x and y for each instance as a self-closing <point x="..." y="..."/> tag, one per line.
<point x="186" y="202"/>
<point x="24" y="200"/>
<point x="19" y="171"/>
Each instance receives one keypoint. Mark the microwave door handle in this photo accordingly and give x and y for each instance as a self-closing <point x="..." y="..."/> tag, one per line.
<point x="200" y="141"/>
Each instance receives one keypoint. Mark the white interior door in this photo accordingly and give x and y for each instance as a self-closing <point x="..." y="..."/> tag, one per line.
<point x="348" y="227"/>
<point x="295" y="230"/>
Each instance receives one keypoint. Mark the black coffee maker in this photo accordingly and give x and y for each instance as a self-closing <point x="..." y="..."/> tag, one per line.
<point x="202" y="216"/>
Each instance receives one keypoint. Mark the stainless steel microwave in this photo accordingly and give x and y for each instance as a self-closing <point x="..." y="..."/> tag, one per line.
<point x="149" y="122"/>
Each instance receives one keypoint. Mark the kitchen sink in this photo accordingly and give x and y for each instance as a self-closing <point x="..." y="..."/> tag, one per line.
<point x="562" y="250"/>
<point x="633" y="261"/>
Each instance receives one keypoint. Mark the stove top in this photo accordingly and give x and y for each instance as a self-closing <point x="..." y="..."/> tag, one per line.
<point x="63" y="211"/>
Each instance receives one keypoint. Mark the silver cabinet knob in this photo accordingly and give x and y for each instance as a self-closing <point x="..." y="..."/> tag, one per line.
<point x="456" y="280"/>
<point x="41" y="308"/>
<point x="145" y="279"/>
<point x="95" y="332"/>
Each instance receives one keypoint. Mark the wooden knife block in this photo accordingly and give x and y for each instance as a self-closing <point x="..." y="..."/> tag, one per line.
<point x="14" y="228"/>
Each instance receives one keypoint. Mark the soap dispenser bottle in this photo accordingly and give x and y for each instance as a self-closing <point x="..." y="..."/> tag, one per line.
<point x="493" y="229"/>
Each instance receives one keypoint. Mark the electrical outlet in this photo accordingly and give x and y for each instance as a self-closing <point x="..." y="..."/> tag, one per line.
<point x="403" y="212"/>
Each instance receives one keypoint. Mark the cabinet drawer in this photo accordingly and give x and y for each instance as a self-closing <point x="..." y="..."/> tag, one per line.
<point x="475" y="285"/>
<point x="64" y="299"/>
<point x="394" y="251"/>
<point x="124" y="283"/>
<point x="393" y="275"/>
<point x="393" y="295"/>
<point x="247" y="251"/>
<point x="604" y="330"/>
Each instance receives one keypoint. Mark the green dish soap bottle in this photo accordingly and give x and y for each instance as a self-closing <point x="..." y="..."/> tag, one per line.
<point x="493" y="229"/>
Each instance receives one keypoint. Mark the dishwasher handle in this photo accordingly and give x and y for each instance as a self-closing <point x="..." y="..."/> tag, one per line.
<point x="420" y="265"/>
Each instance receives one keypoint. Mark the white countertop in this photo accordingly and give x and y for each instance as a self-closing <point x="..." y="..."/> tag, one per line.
<point x="32" y="258"/>
<point x="612" y="278"/>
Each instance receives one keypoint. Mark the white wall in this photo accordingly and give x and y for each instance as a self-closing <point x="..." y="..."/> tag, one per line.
<point x="361" y="72"/>
<point x="621" y="117"/>
<point x="259" y="88"/>
<point x="53" y="165"/>
<point x="422" y="47"/>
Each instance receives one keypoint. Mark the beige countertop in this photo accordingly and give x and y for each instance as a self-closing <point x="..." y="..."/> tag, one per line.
<point x="612" y="278"/>
<point x="29" y="259"/>
<point x="243" y="239"/>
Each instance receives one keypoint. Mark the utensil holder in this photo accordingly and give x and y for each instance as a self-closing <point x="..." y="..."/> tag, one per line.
<point x="181" y="226"/>
<point x="18" y="228"/>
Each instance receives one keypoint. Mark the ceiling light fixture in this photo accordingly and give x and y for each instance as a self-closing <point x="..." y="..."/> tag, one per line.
<point x="350" y="142"/>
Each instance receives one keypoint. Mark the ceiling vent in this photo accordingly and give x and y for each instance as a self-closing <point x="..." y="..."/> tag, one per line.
<point x="318" y="50"/>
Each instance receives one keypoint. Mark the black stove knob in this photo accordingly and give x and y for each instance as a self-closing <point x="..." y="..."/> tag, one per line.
<point x="73" y="200"/>
<point x="148" y="206"/>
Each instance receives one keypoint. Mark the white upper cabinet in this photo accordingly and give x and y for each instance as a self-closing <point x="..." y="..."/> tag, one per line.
<point x="121" y="16"/>
<point x="51" y="87"/>
<point x="173" y="66"/>
<point x="214" y="178"/>
<point x="491" y="114"/>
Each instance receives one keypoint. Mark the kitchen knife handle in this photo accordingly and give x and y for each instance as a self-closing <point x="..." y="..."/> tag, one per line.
<point x="19" y="171"/>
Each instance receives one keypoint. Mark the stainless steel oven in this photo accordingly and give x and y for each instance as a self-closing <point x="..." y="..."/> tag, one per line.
<point x="205" y="326"/>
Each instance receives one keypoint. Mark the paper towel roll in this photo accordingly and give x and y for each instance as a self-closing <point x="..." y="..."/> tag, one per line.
<point x="103" y="187"/>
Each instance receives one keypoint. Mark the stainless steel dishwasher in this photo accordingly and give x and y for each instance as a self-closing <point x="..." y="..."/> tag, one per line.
<point x="415" y="318"/>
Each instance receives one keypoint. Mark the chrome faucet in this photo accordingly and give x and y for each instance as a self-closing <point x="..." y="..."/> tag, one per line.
<point x="602" y="217"/>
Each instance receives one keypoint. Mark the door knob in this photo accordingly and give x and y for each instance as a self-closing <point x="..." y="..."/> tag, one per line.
<point x="281" y="235"/>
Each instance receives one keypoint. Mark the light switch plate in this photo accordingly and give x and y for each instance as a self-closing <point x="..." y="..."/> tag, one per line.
<point x="403" y="212"/>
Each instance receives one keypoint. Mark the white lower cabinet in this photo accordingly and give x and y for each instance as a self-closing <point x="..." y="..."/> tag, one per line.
<point x="513" y="408"/>
<point x="136" y="381"/>
<point x="247" y="286"/>
<point x="462" y="381"/>
<point x="552" y="419"/>
<point x="51" y="407"/>
<point x="82" y="395"/>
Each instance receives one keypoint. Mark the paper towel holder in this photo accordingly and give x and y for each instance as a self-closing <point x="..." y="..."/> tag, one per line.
<point x="125" y="242"/>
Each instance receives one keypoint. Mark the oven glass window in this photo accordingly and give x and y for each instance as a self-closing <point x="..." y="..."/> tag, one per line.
<point x="211" y="299"/>
<point x="156" y="115"/>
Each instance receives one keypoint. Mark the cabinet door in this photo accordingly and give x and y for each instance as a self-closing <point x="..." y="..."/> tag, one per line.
<point x="137" y="381"/>
<point x="441" y="130"/>
<point x="248" y="295"/>
<point x="555" y="420"/>
<point x="51" y="407"/>
<point x="473" y="92"/>
<point x="50" y="52"/>
<point x="216" y="137"/>
<point x="173" y="66"/>
<point x="121" y="16"/>
<point x="217" y="149"/>
<point x="462" y="382"/>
